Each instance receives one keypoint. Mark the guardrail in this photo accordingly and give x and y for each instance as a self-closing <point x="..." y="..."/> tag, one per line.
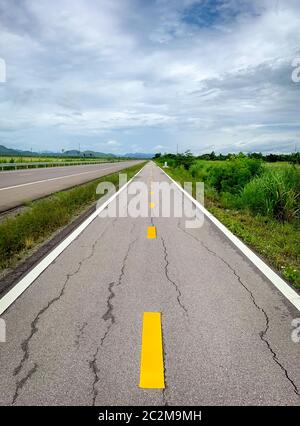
<point x="39" y="164"/>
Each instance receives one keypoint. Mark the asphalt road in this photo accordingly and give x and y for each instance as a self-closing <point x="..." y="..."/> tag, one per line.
<point x="74" y="336"/>
<point x="19" y="186"/>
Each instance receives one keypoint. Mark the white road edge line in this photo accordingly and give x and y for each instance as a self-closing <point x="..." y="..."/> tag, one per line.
<point x="48" y="180"/>
<point x="26" y="281"/>
<point x="272" y="276"/>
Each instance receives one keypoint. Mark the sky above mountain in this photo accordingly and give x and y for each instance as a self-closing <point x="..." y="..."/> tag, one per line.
<point x="145" y="75"/>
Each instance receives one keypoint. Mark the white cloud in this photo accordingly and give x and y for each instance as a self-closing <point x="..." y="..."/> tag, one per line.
<point x="140" y="72"/>
<point x="113" y="143"/>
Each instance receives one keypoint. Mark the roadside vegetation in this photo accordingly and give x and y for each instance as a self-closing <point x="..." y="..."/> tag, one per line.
<point x="41" y="218"/>
<point x="43" y="159"/>
<point x="256" y="200"/>
<point x="11" y="163"/>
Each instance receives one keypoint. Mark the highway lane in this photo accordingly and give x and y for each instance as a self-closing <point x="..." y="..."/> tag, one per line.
<point x="19" y="186"/>
<point x="74" y="336"/>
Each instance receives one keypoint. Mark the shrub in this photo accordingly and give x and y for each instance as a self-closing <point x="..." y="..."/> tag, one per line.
<point x="199" y="171"/>
<point x="234" y="174"/>
<point x="275" y="193"/>
<point x="185" y="160"/>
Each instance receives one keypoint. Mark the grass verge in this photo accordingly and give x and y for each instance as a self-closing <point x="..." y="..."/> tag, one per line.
<point x="21" y="233"/>
<point x="275" y="241"/>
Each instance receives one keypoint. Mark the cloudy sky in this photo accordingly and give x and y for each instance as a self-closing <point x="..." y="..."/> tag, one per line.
<point x="145" y="75"/>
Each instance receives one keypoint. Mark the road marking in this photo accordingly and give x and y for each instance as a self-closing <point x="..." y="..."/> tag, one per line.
<point x="151" y="192"/>
<point x="152" y="205"/>
<point x="272" y="276"/>
<point x="26" y="281"/>
<point x="55" y="178"/>
<point x="152" y="360"/>
<point x="151" y="232"/>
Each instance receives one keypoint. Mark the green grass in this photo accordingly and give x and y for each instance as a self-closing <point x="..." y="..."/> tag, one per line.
<point x="277" y="241"/>
<point x="43" y="159"/>
<point x="42" y="218"/>
<point x="15" y="163"/>
<point x="275" y="193"/>
<point x="280" y="164"/>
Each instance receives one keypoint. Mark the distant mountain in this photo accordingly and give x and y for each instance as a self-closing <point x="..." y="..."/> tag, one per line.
<point x="10" y="151"/>
<point x="69" y="153"/>
<point x="72" y="153"/>
<point x="98" y="154"/>
<point x="139" y="155"/>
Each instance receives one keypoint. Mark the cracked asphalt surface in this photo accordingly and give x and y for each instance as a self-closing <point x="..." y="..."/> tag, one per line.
<point x="74" y="336"/>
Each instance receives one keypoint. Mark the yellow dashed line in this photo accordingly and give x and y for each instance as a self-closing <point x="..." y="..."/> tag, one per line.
<point x="151" y="232"/>
<point x="152" y="362"/>
<point x="152" y="205"/>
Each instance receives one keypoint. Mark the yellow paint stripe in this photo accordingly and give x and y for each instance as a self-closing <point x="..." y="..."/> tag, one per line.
<point x="151" y="192"/>
<point x="151" y="232"/>
<point x="152" y="205"/>
<point x="152" y="362"/>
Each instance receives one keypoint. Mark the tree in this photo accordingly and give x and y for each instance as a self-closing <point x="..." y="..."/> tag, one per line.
<point x="212" y="155"/>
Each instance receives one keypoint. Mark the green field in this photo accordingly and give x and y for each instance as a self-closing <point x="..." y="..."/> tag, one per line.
<point x="258" y="201"/>
<point x="14" y="163"/>
<point x="35" y="159"/>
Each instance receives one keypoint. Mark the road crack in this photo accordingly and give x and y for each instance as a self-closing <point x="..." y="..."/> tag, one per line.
<point x="108" y="316"/>
<point x="122" y="273"/>
<point x="95" y="370"/>
<point x="167" y="264"/>
<point x="264" y="332"/>
<point x="22" y="382"/>
<point x="164" y="391"/>
<point x="80" y="334"/>
<point x="34" y="326"/>
<point x="109" y="313"/>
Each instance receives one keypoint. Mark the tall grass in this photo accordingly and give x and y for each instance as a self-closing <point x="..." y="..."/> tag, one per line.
<point x="275" y="193"/>
<point x="200" y="170"/>
<point x="228" y="176"/>
<point x="233" y="175"/>
<point x="245" y="183"/>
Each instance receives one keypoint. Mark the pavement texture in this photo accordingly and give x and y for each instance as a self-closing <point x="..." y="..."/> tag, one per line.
<point x="20" y="186"/>
<point x="74" y="336"/>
